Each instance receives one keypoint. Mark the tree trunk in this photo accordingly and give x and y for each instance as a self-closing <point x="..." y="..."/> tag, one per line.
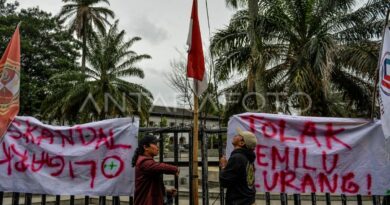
<point x="258" y="66"/>
<point x="84" y="54"/>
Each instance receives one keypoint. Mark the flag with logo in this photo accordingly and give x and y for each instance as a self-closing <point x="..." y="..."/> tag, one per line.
<point x="196" y="64"/>
<point x="9" y="82"/>
<point x="384" y="83"/>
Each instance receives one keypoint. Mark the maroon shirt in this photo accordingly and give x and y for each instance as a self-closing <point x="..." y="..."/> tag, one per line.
<point x="149" y="186"/>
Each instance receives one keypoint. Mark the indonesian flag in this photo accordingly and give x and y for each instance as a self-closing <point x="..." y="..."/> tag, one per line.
<point x="9" y="83"/>
<point x="384" y="83"/>
<point x="195" y="64"/>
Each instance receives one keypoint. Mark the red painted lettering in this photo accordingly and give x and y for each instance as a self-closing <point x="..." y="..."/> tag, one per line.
<point x="334" y="162"/>
<point x="305" y="166"/>
<point x="260" y="155"/>
<point x="274" y="180"/>
<point x="287" y="177"/>
<point x="309" y="129"/>
<point x="324" y="181"/>
<point x="112" y="165"/>
<point x="282" y="126"/>
<point x="92" y="165"/>
<point x="56" y="162"/>
<point x="276" y="156"/>
<point x="348" y="185"/>
<point x="308" y="181"/>
<point x="331" y="134"/>
<point x="8" y="158"/>
<point x="45" y="134"/>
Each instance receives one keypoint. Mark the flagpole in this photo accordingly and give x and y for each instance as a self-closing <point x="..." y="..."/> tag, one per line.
<point x="195" y="176"/>
<point x="378" y="68"/>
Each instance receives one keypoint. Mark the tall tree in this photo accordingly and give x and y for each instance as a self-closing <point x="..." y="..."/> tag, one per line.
<point x="46" y="49"/>
<point x="101" y="91"/>
<point x="84" y="15"/>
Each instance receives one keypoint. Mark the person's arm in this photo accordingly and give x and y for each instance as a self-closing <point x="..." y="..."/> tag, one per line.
<point x="151" y="166"/>
<point x="229" y="174"/>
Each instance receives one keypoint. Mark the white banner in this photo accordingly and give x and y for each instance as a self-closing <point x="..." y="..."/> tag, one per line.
<point x="313" y="154"/>
<point x="384" y="83"/>
<point x="88" y="159"/>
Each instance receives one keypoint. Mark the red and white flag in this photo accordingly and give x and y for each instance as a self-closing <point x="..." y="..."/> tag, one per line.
<point x="9" y="83"/>
<point x="195" y="64"/>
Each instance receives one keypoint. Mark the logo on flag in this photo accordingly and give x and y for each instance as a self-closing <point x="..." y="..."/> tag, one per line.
<point x="385" y="74"/>
<point x="9" y="85"/>
<point x="9" y="82"/>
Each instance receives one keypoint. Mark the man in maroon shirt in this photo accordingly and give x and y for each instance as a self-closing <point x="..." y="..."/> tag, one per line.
<point x="149" y="185"/>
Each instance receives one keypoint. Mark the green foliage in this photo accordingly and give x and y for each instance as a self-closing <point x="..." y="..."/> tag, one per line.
<point x="46" y="49"/>
<point x="163" y="122"/>
<point x="100" y="92"/>
<point x="85" y="15"/>
<point x="325" y="49"/>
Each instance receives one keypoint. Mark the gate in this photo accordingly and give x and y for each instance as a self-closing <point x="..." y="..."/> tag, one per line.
<point x="204" y="161"/>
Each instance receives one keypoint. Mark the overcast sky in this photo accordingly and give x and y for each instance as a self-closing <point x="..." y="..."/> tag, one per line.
<point x="163" y="26"/>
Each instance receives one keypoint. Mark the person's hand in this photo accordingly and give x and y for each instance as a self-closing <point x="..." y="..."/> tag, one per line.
<point x="178" y="172"/>
<point x="172" y="192"/>
<point x="223" y="162"/>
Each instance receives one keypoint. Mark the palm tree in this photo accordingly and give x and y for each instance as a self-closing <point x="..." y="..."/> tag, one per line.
<point x="84" y="16"/>
<point x="307" y="47"/>
<point x="100" y="91"/>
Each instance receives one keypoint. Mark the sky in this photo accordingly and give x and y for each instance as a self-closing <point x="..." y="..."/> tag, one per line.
<point x="163" y="26"/>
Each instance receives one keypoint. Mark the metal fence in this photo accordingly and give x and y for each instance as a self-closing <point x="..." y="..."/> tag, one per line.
<point x="204" y="134"/>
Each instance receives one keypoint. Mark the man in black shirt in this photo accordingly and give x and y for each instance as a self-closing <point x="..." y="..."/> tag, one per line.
<point x="237" y="174"/>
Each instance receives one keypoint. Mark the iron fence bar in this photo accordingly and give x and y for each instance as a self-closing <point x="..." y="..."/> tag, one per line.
<point x="28" y="199"/>
<point x="102" y="200"/>
<point x="115" y="200"/>
<point x="205" y="188"/>
<point x="376" y="200"/>
<point x="220" y="154"/>
<point x="131" y="200"/>
<point x="191" y="157"/>
<point x="328" y="199"/>
<point x="163" y="130"/>
<point x="176" y="158"/>
<point x="43" y="199"/>
<point x="58" y="200"/>
<point x="71" y="200"/>
<point x="86" y="200"/>
<point x="1" y="198"/>
<point x="359" y="199"/>
<point x="313" y="198"/>
<point x="216" y="130"/>
<point x="343" y="199"/>
<point x="283" y="199"/>
<point x="267" y="198"/>
<point x="386" y="200"/>
<point x="15" y="198"/>
<point x="297" y="199"/>
<point x="161" y="146"/>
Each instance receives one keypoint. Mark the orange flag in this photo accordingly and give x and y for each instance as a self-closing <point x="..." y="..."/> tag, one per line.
<point x="9" y="83"/>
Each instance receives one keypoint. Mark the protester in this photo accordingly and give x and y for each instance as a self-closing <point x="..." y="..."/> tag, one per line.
<point x="149" y="186"/>
<point x="237" y="174"/>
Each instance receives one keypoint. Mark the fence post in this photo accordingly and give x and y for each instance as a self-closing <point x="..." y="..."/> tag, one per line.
<point x="220" y="154"/>
<point x="313" y="198"/>
<point x="15" y="198"/>
<point x="205" y="188"/>
<point x="191" y="157"/>
<point x="43" y="199"/>
<point x="27" y="199"/>
<point x="176" y="161"/>
<point x="161" y="146"/>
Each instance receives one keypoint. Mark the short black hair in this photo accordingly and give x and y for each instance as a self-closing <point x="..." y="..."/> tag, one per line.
<point x="147" y="140"/>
